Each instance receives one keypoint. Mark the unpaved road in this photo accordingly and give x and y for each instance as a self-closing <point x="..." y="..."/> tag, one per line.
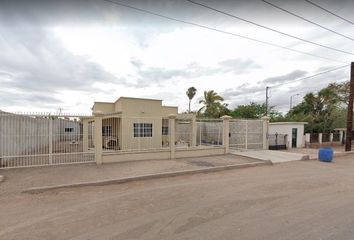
<point x="297" y="200"/>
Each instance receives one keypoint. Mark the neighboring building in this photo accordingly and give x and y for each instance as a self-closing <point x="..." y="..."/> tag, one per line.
<point x="292" y="132"/>
<point x="130" y="123"/>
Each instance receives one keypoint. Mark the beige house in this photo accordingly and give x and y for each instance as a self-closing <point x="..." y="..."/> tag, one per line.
<point x="135" y="123"/>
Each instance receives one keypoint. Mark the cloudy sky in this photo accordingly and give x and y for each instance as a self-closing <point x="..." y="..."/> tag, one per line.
<point x="68" y="54"/>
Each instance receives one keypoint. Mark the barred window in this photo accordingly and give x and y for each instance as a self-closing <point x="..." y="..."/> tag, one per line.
<point x="164" y="131"/>
<point x="142" y="129"/>
<point x="106" y="130"/>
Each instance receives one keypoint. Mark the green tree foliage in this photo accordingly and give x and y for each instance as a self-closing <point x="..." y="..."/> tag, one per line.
<point x="190" y="94"/>
<point x="324" y="110"/>
<point x="255" y="111"/>
<point x="212" y="105"/>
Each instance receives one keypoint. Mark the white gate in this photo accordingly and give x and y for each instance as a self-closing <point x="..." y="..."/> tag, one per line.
<point x="43" y="139"/>
<point x="246" y="134"/>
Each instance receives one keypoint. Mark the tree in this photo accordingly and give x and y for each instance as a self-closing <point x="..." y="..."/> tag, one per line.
<point x="255" y="111"/>
<point x="213" y="107"/>
<point x="190" y="94"/>
<point x="324" y="110"/>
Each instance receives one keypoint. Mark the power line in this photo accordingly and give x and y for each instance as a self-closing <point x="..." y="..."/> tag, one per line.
<point x="316" y="24"/>
<point x="220" y="31"/>
<point x="328" y="11"/>
<point x="271" y="29"/>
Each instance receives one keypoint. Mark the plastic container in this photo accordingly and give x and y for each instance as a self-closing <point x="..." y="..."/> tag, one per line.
<point x="325" y="154"/>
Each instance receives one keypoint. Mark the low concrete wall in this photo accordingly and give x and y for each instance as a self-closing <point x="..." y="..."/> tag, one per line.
<point x="135" y="156"/>
<point x="161" y="154"/>
<point x="199" y="152"/>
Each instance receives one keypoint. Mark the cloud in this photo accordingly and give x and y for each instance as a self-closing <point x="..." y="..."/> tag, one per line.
<point x="147" y="76"/>
<point x="285" y="78"/>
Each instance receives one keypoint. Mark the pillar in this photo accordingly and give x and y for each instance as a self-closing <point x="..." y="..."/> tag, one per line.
<point x="307" y="140"/>
<point x="226" y="133"/>
<point x="320" y="138"/>
<point x="98" y="136"/>
<point x="265" y="132"/>
<point x="194" y="131"/>
<point x="85" y="134"/>
<point x="172" y="129"/>
<point x="331" y="137"/>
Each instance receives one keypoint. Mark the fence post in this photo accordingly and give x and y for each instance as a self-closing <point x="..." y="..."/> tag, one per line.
<point x="50" y="139"/>
<point x="341" y="135"/>
<point x="98" y="137"/>
<point x="320" y="138"/>
<point x="307" y="140"/>
<point x="331" y="137"/>
<point x="194" y="131"/>
<point x="246" y="136"/>
<point x="85" y="133"/>
<point x="172" y="130"/>
<point x="265" y="132"/>
<point x="226" y="133"/>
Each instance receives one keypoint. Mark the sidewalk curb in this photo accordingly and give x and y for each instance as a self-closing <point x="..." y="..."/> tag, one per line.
<point x="335" y="154"/>
<point x="35" y="190"/>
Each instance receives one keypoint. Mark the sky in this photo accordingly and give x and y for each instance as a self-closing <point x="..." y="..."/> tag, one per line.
<point x="65" y="55"/>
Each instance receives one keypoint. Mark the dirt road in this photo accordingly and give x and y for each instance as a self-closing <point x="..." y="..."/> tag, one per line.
<point x="297" y="200"/>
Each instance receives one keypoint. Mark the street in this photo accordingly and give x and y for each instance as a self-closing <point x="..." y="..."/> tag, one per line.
<point x="295" y="200"/>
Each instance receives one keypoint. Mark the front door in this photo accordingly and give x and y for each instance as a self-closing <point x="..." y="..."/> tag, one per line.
<point x="294" y="137"/>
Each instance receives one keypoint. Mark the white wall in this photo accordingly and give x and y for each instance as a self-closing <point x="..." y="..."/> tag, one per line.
<point x="282" y="128"/>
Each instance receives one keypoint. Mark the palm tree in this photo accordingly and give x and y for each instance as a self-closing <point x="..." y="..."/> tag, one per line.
<point x="190" y="93"/>
<point x="212" y="104"/>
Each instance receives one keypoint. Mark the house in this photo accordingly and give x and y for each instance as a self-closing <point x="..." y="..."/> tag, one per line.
<point x="290" y="134"/>
<point x="136" y="123"/>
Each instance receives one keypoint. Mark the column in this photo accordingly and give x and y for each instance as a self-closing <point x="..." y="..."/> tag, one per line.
<point x="98" y="137"/>
<point x="265" y="132"/>
<point x="226" y="133"/>
<point x="85" y="133"/>
<point x="172" y="131"/>
<point x="320" y="138"/>
<point x="331" y="137"/>
<point x="307" y="140"/>
<point x="194" y="131"/>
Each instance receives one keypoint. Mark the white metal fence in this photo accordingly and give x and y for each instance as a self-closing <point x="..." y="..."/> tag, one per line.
<point x="42" y="139"/>
<point x="210" y="132"/>
<point x="246" y="134"/>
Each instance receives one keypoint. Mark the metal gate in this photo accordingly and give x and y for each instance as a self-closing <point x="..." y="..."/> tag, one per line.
<point x="28" y="140"/>
<point x="246" y="134"/>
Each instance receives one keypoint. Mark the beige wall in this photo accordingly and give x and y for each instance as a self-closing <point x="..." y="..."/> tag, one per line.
<point x="166" y="110"/>
<point x="128" y="141"/>
<point x="132" y="107"/>
<point x="103" y="107"/>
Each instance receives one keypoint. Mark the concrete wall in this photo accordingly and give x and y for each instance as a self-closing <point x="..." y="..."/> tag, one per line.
<point x="286" y="128"/>
<point x="160" y="154"/>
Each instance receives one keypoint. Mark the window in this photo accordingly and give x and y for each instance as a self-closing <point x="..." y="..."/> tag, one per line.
<point x="142" y="129"/>
<point x="107" y="131"/>
<point x="68" y="129"/>
<point x="164" y="131"/>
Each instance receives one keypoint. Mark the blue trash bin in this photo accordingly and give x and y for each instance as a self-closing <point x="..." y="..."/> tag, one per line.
<point x="325" y="154"/>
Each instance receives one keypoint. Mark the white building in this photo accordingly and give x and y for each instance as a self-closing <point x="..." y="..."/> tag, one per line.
<point x="294" y="132"/>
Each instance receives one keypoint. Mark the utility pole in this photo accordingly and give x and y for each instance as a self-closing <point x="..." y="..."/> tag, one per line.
<point x="291" y="101"/>
<point x="267" y="102"/>
<point x="348" y="143"/>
